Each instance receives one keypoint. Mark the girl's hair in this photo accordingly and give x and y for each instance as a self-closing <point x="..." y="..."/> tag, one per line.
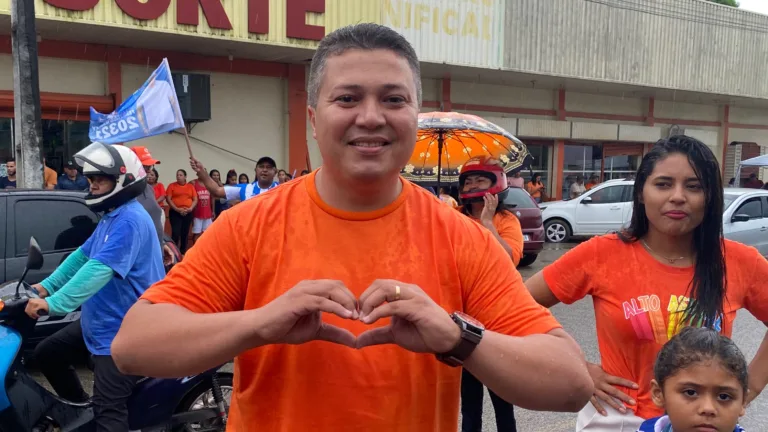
<point x="181" y="171"/>
<point x="708" y="286"/>
<point x="693" y="345"/>
<point x="535" y="177"/>
<point x="247" y="180"/>
<point x="214" y="171"/>
<point x="231" y="173"/>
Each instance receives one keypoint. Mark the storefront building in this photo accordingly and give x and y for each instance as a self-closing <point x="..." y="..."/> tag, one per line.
<point x="589" y="86"/>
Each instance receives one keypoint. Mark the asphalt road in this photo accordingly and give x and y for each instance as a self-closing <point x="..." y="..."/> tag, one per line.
<point x="578" y="319"/>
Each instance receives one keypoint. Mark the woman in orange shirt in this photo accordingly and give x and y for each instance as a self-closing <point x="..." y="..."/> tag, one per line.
<point x="670" y="269"/>
<point x="535" y="187"/>
<point x="159" y="189"/>
<point x="483" y="186"/>
<point x="182" y="198"/>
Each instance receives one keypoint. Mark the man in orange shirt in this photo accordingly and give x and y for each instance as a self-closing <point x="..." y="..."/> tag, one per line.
<point x="349" y="298"/>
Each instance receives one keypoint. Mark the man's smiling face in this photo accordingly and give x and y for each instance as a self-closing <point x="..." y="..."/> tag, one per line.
<point x="366" y="117"/>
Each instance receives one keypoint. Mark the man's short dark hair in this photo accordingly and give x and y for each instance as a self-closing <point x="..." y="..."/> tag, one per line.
<point x="267" y="159"/>
<point x="10" y="160"/>
<point x="365" y="36"/>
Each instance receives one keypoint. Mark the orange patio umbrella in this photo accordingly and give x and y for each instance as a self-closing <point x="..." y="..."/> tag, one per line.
<point x="446" y="140"/>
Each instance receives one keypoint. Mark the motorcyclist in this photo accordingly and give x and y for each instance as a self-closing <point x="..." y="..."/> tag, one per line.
<point x="482" y="190"/>
<point x="106" y="275"/>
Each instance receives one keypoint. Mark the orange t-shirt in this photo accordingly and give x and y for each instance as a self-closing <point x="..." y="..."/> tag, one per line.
<point x="533" y="189"/>
<point x="49" y="176"/>
<point x="181" y="196"/>
<point x="265" y="246"/>
<point x="509" y="228"/>
<point x="639" y="302"/>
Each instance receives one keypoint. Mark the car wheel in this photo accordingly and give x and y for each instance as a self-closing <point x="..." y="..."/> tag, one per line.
<point x="557" y="231"/>
<point x="527" y="260"/>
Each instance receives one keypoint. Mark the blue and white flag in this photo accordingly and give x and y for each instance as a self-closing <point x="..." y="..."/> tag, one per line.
<point x="151" y="110"/>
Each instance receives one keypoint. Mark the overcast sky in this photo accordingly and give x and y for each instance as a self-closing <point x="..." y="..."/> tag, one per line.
<point x="760" y="6"/>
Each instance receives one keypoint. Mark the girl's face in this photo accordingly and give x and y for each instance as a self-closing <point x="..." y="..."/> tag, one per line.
<point x="243" y="179"/>
<point x="476" y="183"/>
<point x="151" y="179"/>
<point x="282" y="176"/>
<point x="673" y="197"/>
<point x="216" y="177"/>
<point x="232" y="179"/>
<point x="702" y="397"/>
<point x="180" y="177"/>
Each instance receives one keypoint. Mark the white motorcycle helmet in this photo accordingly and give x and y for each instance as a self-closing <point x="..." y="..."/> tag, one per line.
<point x="118" y="162"/>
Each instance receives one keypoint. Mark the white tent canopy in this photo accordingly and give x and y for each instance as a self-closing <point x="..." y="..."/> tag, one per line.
<point x="759" y="161"/>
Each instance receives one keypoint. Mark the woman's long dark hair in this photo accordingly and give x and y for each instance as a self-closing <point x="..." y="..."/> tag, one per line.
<point x="708" y="287"/>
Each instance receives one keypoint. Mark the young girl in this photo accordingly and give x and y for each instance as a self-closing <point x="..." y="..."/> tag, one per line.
<point x="700" y="382"/>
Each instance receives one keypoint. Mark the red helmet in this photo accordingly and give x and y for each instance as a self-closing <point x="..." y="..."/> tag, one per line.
<point x="487" y="167"/>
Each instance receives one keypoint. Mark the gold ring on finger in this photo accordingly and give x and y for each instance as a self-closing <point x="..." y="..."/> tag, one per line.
<point x="397" y="292"/>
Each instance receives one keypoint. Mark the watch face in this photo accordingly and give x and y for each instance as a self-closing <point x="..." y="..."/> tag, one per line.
<point x="469" y="320"/>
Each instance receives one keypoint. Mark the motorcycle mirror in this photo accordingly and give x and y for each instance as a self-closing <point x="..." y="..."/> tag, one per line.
<point x="35" y="255"/>
<point x="34" y="262"/>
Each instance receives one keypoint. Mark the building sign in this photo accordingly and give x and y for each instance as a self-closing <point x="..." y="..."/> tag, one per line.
<point x="215" y="15"/>
<point x="462" y="32"/>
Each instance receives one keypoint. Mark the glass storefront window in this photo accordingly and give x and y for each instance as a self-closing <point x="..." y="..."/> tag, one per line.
<point x="581" y="159"/>
<point x="6" y="143"/>
<point x="620" y="167"/>
<point x="541" y="152"/>
<point x="61" y="140"/>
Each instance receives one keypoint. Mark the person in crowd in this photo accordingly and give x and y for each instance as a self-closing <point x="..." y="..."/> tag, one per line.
<point x="72" y="179"/>
<point x="753" y="182"/>
<point x="243" y="179"/>
<point x="303" y="173"/>
<point x="9" y="181"/>
<point x="536" y="188"/>
<point x="231" y="181"/>
<point x="732" y="182"/>
<point x="219" y="204"/>
<point x="153" y="179"/>
<point x="483" y="187"/>
<point x="148" y="200"/>
<point x="265" y="174"/>
<point x="50" y="177"/>
<point x="516" y="180"/>
<point x="669" y="269"/>
<point x="105" y="276"/>
<point x="283" y="176"/>
<point x="446" y="197"/>
<point x="594" y="180"/>
<point x="203" y="212"/>
<point x="182" y="199"/>
<point x="357" y="289"/>
<point x="577" y="187"/>
<point x="701" y="383"/>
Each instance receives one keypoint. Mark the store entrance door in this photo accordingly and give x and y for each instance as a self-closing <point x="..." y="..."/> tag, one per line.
<point x="621" y="161"/>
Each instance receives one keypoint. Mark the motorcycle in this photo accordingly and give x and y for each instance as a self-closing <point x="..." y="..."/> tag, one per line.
<point x="194" y="403"/>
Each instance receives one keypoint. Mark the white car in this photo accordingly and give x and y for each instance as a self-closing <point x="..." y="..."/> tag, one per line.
<point x="601" y="210"/>
<point x="607" y="208"/>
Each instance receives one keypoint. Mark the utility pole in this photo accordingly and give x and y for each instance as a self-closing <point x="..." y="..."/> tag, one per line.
<point x="26" y="95"/>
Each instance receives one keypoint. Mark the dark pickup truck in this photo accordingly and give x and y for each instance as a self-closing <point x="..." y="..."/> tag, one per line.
<point x="60" y="222"/>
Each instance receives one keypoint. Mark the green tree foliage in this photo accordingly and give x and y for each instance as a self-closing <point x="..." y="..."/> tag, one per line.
<point x="733" y="3"/>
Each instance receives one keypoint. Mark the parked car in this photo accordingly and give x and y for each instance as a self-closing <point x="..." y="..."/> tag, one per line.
<point x="527" y="211"/>
<point x="61" y="222"/>
<point x="745" y="218"/>
<point x="601" y="210"/>
<point x="608" y="208"/>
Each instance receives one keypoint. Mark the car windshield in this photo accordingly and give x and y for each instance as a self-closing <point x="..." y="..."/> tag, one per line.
<point x="728" y="200"/>
<point x="520" y="199"/>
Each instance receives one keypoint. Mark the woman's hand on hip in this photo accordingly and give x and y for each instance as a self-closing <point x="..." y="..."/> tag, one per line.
<point x="606" y="391"/>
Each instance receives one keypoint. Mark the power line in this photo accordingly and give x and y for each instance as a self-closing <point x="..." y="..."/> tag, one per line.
<point x="683" y="14"/>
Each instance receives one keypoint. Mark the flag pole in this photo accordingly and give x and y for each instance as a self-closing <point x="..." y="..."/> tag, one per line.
<point x="189" y="145"/>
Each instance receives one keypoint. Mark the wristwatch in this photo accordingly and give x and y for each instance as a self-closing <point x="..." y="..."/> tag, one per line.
<point x="471" y="334"/>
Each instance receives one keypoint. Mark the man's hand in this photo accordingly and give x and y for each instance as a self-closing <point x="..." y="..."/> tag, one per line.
<point x="296" y="316"/>
<point x="41" y="291"/>
<point x="489" y="209"/>
<point x="196" y="165"/>
<point x="34" y="305"/>
<point x="418" y="323"/>
<point x="606" y="391"/>
<point x="167" y="255"/>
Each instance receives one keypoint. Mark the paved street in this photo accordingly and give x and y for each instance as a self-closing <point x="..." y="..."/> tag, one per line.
<point x="578" y="319"/>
